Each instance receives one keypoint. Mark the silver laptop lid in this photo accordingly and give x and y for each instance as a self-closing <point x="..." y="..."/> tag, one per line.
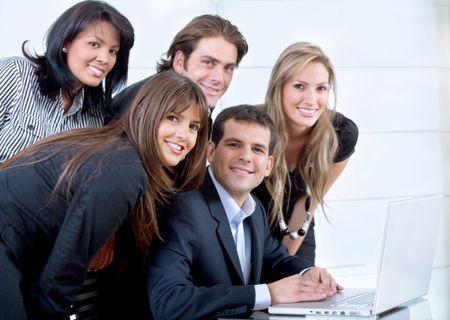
<point x="408" y="249"/>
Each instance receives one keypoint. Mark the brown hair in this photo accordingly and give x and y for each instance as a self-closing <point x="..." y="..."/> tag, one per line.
<point x="205" y="26"/>
<point x="160" y="95"/>
<point x="243" y="113"/>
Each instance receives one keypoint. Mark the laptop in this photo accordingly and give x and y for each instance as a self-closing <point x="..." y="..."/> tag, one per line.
<point x="404" y="270"/>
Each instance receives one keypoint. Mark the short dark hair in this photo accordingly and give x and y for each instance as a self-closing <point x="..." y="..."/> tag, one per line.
<point x="204" y="26"/>
<point x="54" y="73"/>
<point x="243" y="113"/>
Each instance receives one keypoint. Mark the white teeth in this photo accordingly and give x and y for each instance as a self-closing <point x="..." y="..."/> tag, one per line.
<point x="174" y="146"/>
<point x="307" y="111"/>
<point x="96" y="71"/>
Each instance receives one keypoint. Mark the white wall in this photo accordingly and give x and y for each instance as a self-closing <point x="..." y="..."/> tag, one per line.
<point x="393" y="68"/>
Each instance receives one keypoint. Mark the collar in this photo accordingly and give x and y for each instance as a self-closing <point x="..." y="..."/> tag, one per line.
<point x="235" y="214"/>
<point x="77" y="103"/>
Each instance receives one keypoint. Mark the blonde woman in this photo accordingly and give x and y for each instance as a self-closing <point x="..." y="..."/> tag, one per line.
<point x="315" y="144"/>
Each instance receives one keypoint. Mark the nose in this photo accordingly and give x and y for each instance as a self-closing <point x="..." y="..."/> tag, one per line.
<point x="245" y="154"/>
<point x="103" y="55"/>
<point x="182" y="131"/>
<point x="217" y="74"/>
<point x="310" y="96"/>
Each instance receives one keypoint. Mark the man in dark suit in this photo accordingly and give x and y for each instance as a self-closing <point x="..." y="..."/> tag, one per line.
<point x="206" y="50"/>
<point x="217" y="256"/>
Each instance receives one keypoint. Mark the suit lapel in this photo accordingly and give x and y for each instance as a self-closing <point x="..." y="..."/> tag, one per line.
<point x="223" y="229"/>
<point x="257" y="230"/>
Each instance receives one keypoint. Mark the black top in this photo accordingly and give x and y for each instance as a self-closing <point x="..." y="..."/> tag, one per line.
<point x="347" y="133"/>
<point x="53" y="240"/>
<point x="123" y="100"/>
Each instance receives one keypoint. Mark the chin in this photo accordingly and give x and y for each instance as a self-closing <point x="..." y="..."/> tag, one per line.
<point x="211" y="104"/>
<point x="171" y="162"/>
<point x="95" y="83"/>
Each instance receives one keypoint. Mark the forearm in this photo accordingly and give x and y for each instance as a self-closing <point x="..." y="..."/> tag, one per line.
<point x="296" y="222"/>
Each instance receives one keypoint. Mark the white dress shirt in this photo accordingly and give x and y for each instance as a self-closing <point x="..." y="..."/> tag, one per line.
<point x="236" y="216"/>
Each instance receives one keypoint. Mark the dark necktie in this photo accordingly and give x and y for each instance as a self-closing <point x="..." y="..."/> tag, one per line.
<point x="210" y="122"/>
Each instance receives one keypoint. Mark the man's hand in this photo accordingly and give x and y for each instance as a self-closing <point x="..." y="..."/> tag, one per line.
<point x="296" y="288"/>
<point x="320" y="275"/>
<point x="104" y="256"/>
<point x="315" y="284"/>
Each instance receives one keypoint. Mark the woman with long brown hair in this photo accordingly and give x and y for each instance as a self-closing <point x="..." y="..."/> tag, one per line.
<point x="65" y="196"/>
<point x="314" y="144"/>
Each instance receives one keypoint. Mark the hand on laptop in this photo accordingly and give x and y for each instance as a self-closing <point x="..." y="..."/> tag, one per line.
<point x="297" y="288"/>
<point x="320" y="275"/>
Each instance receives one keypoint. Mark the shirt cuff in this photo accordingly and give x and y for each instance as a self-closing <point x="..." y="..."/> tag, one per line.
<point x="304" y="271"/>
<point x="262" y="297"/>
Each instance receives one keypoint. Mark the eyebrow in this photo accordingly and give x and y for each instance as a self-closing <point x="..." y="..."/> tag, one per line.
<point x="179" y="114"/>
<point x="218" y="61"/>
<point x="100" y="39"/>
<point x="259" y="145"/>
<point x="306" y="82"/>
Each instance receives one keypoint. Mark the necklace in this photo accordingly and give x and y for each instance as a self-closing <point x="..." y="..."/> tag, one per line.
<point x="294" y="234"/>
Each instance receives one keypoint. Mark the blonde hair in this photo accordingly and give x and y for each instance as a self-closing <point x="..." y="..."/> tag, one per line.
<point x="320" y="149"/>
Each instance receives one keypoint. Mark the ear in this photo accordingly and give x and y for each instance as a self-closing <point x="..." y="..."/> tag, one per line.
<point x="178" y="62"/>
<point x="269" y="166"/>
<point x="210" y="151"/>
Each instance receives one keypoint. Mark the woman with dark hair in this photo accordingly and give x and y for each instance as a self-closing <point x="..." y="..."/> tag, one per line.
<point x="71" y="85"/>
<point x="65" y="196"/>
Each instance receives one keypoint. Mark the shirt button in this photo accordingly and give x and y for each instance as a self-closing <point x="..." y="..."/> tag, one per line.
<point x="30" y="127"/>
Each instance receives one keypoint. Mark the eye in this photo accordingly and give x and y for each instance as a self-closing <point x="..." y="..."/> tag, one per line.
<point x="208" y="62"/>
<point x="299" y="86"/>
<point x="172" y="118"/>
<point x="194" y="126"/>
<point x="94" y="44"/>
<point x="258" y="150"/>
<point x="233" y="145"/>
<point x="114" y="52"/>
<point x="230" y="68"/>
<point x="323" y="88"/>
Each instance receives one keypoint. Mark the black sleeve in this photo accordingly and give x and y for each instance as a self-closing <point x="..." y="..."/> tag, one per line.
<point x="347" y="132"/>
<point x="124" y="99"/>
<point x="174" y="269"/>
<point x="96" y="211"/>
<point x="277" y="263"/>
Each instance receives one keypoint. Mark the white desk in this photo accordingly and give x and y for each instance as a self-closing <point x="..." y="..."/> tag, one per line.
<point x="434" y="306"/>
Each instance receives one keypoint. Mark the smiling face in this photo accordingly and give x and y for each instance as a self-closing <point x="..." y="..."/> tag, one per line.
<point x="92" y="53"/>
<point x="210" y="66"/>
<point x="241" y="159"/>
<point x="177" y="135"/>
<point x="305" y="96"/>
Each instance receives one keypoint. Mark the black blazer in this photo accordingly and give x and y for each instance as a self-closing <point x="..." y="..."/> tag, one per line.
<point x="195" y="272"/>
<point x="122" y="101"/>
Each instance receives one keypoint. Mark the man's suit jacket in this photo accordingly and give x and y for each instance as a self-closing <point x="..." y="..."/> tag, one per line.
<point x="123" y="100"/>
<point x="195" y="272"/>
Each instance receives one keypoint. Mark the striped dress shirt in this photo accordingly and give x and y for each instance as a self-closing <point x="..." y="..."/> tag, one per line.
<point x="27" y="115"/>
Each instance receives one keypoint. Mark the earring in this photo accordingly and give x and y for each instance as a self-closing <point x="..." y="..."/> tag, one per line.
<point x="64" y="50"/>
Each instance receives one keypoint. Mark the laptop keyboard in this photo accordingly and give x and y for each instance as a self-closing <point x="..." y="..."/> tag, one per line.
<point x="362" y="300"/>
